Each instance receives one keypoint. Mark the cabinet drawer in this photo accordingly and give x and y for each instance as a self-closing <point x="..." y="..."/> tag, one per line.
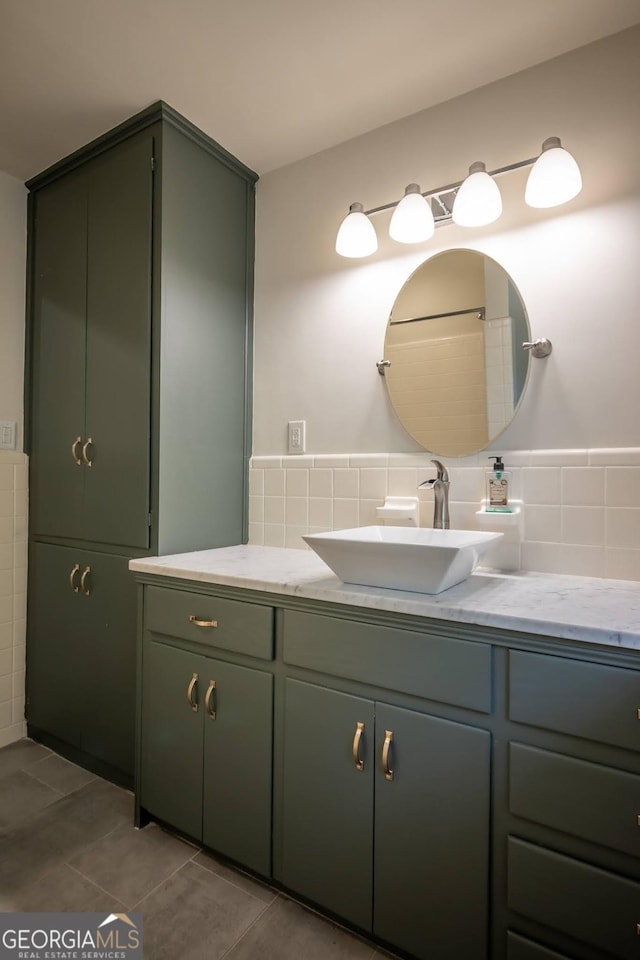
<point x="588" y="700"/>
<point x="436" y="668"/>
<point x="587" y="800"/>
<point x="518" y="948"/>
<point x="586" y="903"/>
<point x="240" y="627"/>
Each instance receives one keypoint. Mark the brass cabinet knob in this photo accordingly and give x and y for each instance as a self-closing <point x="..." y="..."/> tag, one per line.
<point x="386" y="748"/>
<point x="355" y="749"/>
<point x="192" y="687"/>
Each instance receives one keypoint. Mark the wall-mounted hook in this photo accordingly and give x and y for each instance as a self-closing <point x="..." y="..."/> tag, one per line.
<point x="540" y="348"/>
<point x="381" y="364"/>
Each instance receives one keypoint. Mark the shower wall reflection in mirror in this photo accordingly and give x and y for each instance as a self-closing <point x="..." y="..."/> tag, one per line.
<point x="454" y="341"/>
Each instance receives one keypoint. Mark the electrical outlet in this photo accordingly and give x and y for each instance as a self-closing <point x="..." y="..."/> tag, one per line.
<point x="7" y="435"/>
<point x="296" y="433"/>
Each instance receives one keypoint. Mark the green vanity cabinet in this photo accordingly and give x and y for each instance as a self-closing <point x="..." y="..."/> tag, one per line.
<point x="207" y="724"/>
<point x="327" y="802"/>
<point x="137" y="395"/>
<point x="377" y="823"/>
<point x="80" y="661"/>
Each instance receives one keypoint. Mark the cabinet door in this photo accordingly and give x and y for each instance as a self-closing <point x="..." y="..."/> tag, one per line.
<point x="109" y="655"/>
<point x="327" y="801"/>
<point x="56" y="618"/>
<point x="172" y="735"/>
<point x="118" y="368"/>
<point x="58" y="357"/>
<point x="238" y="718"/>
<point x="431" y="836"/>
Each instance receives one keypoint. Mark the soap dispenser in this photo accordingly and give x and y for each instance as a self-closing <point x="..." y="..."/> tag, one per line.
<point x="498" y="484"/>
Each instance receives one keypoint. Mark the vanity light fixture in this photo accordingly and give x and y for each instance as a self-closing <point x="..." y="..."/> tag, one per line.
<point x="357" y="235"/>
<point x="554" y="179"/>
<point x="478" y="200"/>
<point x="412" y="220"/>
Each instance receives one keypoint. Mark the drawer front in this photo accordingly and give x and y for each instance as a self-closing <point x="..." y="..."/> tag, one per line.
<point x="519" y="948"/>
<point x="587" y="800"/>
<point x="226" y="624"/>
<point x="588" y="700"/>
<point x="436" y="668"/>
<point x="583" y="902"/>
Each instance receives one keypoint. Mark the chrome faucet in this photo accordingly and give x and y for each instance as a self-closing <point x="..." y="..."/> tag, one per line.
<point x="440" y="487"/>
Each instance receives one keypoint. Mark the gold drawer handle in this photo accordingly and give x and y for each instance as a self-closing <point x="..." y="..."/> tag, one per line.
<point x="192" y="686"/>
<point x="388" y="739"/>
<point x="86" y="459"/>
<point x="208" y="697"/>
<point x="83" y="581"/>
<point x="73" y="583"/>
<point x="355" y="749"/>
<point x="74" y="451"/>
<point x="202" y="623"/>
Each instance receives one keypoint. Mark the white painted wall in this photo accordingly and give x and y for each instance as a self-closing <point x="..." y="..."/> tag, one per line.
<point x="320" y="320"/>
<point x="13" y="235"/>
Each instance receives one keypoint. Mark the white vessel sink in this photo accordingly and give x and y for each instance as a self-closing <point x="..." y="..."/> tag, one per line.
<point x="402" y="558"/>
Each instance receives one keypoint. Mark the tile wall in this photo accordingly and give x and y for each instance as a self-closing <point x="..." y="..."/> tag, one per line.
<point x="13" y="587"/>
<point x="580" y="514"/>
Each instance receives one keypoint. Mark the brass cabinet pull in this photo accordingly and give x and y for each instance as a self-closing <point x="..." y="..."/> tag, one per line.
<point x="83" y="581"/>
<point x="202" y="623"/>
<point x="355" y="749"/>
<point x="73" y="583"/>
<point x="74" y="451"/>
<point x="192" y="686"/>
<point x="388" y="738"/>
<point x="86" y="459"/>
<point x="208" y="697"/>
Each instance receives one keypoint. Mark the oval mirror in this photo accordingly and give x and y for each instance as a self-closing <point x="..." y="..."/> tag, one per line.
<point x="457" y="370"/>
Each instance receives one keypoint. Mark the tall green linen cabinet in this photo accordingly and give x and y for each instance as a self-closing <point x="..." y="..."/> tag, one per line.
<point x="138" y="404"/>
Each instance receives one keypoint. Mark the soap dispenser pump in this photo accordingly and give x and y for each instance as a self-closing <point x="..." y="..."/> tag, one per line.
<point x="498" y="483"/>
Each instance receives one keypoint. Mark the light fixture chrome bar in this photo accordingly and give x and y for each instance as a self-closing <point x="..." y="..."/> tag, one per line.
<point x="479" y="311"/>
<point x="449" y="187"/>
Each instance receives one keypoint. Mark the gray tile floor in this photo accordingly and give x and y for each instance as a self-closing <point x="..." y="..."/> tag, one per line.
<point x="67" y="844"/>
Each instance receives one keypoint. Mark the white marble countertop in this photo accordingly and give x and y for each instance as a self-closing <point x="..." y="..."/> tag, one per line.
<point x="572" y="608"/>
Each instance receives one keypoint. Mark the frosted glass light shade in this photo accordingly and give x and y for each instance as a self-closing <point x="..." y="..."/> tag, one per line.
<point x="478" y="200"/>
<point x="554" y="178"/>
<point x="356" y="235"/>
<point x="412" y="220"/>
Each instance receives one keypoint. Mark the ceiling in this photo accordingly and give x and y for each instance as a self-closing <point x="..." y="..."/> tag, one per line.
<point x="271" y="80"/>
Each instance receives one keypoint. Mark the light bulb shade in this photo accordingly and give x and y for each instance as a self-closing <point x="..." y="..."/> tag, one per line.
<point x="554" y="178"/>
<point x="356" y="236"/>
<point x="478" y="200"/>
<point x="412" y="220"/>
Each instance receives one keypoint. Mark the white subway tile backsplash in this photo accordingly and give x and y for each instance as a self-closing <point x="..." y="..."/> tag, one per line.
<point x="274" y="510"/>
<point x="559" y="458"/>
<point x="297" y="483"/>
<point x="293" y="536"/>
<point x="622" y="527"/>
<point x="542" y="523"/>
<point x="621" y="564"/>
<point x="373" y="483"/>
<point x="615" y="457"/>
<point x="6" y="503"/>
<point x="346" y="483"/>
<point x="583" y="486"/>
<point x="360" y="460"/>
<point x="256" y="483"/>
<point x="6" y="635"/>
<point x="402" y="481"/>
<point x="583" y="525"/>
<point x="581" y="508"/>
<point x="345" y="514"/>
<point x="297" y="511"/>
<point x="320" y="483"/>
<point x="274" y="481"/>
<point x="541" y="485"/>
<point x="623" y="486"/>
<point x="6" y="476"/>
